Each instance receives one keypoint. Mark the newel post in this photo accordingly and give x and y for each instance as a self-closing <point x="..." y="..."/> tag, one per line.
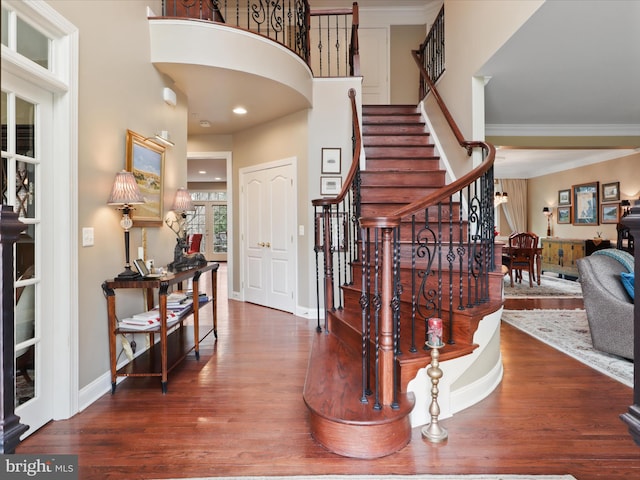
<point x="386" y="347"/>
<point x="386" y="320"/>
<point x="10" y="426"/>
<point x="632" y="417"/>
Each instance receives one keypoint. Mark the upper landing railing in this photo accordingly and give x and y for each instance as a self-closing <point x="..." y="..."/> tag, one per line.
<point x="327" y="40"/>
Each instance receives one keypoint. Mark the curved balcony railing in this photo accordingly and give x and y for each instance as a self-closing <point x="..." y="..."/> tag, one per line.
<point x="327" y="40"/>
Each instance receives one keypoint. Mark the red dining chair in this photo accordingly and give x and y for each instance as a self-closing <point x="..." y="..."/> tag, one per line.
<point x="194" y="243"/>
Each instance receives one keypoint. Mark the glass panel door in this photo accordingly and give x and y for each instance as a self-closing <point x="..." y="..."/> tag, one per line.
<point x="26" y="121"/>
<point x="210" y="220"/>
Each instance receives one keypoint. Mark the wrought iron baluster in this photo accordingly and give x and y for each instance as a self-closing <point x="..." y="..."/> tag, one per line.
<point x="365" y="308"/>
<point x="413" y="348"/>
<point x="377" y="304"/>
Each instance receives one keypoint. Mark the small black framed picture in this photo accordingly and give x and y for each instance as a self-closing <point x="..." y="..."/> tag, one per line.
<point x="331" y="160"/>
<point x="330" y="185"/>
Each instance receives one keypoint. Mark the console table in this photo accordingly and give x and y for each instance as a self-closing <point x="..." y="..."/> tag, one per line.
<point x="173" y="347"/>
<point x="559" y="255"/>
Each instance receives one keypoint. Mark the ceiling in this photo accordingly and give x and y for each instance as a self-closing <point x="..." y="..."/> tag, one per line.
<point x="594" y="50"/>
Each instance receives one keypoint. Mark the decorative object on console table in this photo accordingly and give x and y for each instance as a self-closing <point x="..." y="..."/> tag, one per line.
<point x="559" y="255"/>
<point x="125" y="193"/>
<point x="177" y="222"/>
<point x="585" y="204"/>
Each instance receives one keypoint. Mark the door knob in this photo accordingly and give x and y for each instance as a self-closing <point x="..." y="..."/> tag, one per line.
<point x="261" y="244"/>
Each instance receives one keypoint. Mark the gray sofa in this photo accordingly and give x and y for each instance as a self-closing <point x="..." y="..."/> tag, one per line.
<point x="608" y="305"/>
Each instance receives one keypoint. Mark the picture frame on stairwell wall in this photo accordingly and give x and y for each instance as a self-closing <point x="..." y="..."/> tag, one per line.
<point x="585" y="203"/>
<point x="331" y="160"/>
<point x="330" y="185"/>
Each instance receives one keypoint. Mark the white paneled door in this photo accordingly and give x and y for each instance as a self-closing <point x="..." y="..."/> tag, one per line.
<point x="268" y="212"/>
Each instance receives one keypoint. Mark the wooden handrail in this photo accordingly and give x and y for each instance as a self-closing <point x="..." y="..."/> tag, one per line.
<point x="445" y="111"/>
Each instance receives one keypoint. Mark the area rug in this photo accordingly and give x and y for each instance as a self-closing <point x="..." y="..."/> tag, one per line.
<point x="568" y="331"/>
<point x="550" y="286"/>
<point x="399" y="477"/>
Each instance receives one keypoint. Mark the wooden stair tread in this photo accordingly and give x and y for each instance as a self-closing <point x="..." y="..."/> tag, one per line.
<point x="333" y="386"/>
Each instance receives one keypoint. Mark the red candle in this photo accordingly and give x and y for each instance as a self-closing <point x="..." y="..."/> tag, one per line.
<point x="434" y="332"/>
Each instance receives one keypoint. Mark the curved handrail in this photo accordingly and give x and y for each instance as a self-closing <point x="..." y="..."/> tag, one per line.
<point x="355" y="163"/>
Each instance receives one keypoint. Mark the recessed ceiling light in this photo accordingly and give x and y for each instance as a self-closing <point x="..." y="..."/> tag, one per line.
<point x="205" y="123"/>
<point x="202" y="172"/>
<point x="239" y="110"/>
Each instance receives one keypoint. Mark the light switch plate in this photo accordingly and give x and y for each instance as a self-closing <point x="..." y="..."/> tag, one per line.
<point x="87" y="236"/>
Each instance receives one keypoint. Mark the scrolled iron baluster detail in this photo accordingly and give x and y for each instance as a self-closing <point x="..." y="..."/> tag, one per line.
<point x="277" y="17"/>
<point x="426" y="299"/>
<point x="301" y="29"/>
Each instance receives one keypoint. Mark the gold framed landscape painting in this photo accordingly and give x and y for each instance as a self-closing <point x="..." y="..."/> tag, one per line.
<point x="145" y="159"/>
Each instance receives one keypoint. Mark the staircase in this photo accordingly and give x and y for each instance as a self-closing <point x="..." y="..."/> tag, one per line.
<point x="351" y="413"/>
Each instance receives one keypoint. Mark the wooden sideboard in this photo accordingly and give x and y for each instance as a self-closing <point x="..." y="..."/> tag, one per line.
<point x="559" y="255"/>
<point x="175" y="342"/>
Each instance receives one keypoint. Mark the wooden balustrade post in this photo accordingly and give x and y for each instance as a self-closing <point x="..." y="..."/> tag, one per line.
<point x="386" y="320"/>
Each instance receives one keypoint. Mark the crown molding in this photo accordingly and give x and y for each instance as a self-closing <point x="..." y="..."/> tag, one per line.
<point x="562" y="130"/>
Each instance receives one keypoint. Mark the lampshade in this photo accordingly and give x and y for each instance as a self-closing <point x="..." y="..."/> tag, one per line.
<point x="125" y="190"/>
<point x="182" y="201"/>
<point x="546" y="210"/>
<point x="625" y="203"/>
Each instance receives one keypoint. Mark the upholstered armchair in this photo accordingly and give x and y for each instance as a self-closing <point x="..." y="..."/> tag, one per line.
<point x="608" y="305"/>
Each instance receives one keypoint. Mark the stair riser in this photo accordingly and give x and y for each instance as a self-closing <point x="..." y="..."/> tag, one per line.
<point x="389" y="110"/>
<point x="400" y="152"/>
<point x="397" y="140"/>
<point x="398" y="165"/>
<point x="407" y="179"/>
<point x="393" y="194"/>
<point x="394" y="129"/>
<point x="391" y="119"/>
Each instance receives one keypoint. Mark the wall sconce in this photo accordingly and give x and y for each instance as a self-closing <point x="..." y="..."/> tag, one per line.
<point x="626" y="207"/>
<point x="548" y="213"/>
<point x="500" y="198"/>
<point x="125" y="193"/>
<point x="163" y="138"/>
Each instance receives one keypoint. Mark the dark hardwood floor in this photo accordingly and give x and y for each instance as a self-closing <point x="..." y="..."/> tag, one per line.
<point x="239" y="411"/>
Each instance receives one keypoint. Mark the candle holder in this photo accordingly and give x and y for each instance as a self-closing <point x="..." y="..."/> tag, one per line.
<point x="433" y="431"/>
